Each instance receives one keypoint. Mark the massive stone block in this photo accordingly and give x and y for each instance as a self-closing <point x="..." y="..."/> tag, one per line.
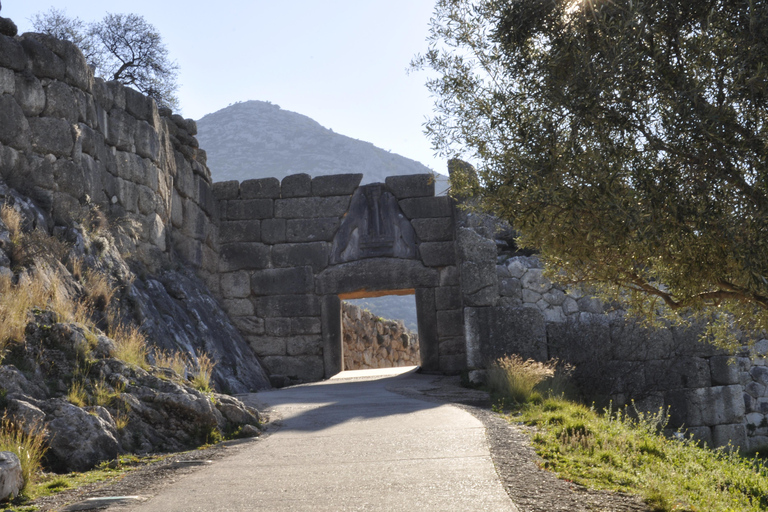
<point x="12" y="54"/>
<point x="437" y="254"/>
<point x="450" y="323"/>
<point x="296" y="185"/>
<point x="260" y="188"/>
<point x="14" y="128"/>
<point x="51" y="135"/>
<point x="493" y="332"/>
<point x="29" y="93"/>
<point x="226" y="190"/>
<point x="313" y="254"/>
<point x="302" y="368"/>
<point x="282" y="281"/>
<point x="439" y="229"/>
<point x="240" y="231"/>
<point x="311" y="207"/>
<point x="248" y="209"/>
<point x="335" y="185"/>
<point x="311" y="230"/>
<point x="273" y="231"/>
<point x="412" y="185"/>
<point x="244" y="256"/>
<point x="60" y="102"/>
<point x="375" y="274"/>
<point x="421" y="207"/>
<point x="287" y="306"/>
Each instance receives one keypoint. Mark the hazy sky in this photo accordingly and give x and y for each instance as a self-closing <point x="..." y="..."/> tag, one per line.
<point x="341" y="62"/>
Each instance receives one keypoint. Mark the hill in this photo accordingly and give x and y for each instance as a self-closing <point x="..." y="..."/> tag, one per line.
<point x="257" y="139"/>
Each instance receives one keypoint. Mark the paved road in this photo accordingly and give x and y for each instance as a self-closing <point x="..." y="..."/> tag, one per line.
<point x="348" y="444"/>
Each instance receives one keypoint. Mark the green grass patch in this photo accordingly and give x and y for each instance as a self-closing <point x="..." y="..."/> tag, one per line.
<point x="627" y="452"/>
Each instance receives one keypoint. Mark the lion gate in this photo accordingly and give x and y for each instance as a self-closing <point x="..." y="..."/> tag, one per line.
<point x="290" y="251"/>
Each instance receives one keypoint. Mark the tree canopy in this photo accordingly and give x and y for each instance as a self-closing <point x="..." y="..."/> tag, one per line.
<point x="121" y="47"/>
<point x="625" y="139"/>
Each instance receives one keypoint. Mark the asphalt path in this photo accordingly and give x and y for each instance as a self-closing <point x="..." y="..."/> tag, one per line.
<point x="350" y="444"/>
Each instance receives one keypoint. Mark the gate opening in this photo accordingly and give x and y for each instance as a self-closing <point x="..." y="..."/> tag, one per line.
<point x="379" y="330"/>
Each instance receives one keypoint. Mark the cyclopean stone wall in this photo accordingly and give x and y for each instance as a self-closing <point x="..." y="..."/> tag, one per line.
<point x="292" y="250"/>
<point x="373" y="342"/>
<point x="69" y="140"/>
<point x="513" y="308"/>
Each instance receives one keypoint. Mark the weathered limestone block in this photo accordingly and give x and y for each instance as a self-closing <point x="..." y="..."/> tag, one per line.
<point x="724" y="370"/>
<point x="11" y="478"/>
<point x="128" y="195"/>
<point x="235" y="285"/>
<point x="375" y="274"/>
<point x="423" y="207"/>
<point x="244" y="256"/>
<point x="306" y="325"/>
<point x="195" y="221"/>
<point x="7" y="81"/>
<point x="492" y="332"/>
<point x="439" y="229"/>
<point x="437" y="254"/>
<point x="287" y="306"/>
<point x="60" y="102"/>
<point x="450" y="323"/>
<point x="139" y="105"/>
<point x="248" y="209"/>
<point x="41" y="60"/>
<point x="634" y="343"/>
<point x="260" y="188"/>
<point x="283" y="281"/>
<point x="412" y="185"/>
<point x="240" y="231"/>
<point x="147" y="141"/>
<point x="147" y="200"/>
<point x="121" y="130"/>
<point x="479" y="283"/>
<point x="305" y="346"/>
<point x="249" y="325"/>
<point x="296" y="185"/>
<point x="14" y="127"/>
<point x="69" y="177"/>
<point x="226" y="190"/>
<point x="77" y="73"/>
<point x="449" y="276"/>
<point x="720" y="405"/>
<point x="51" y="135"/>
<point x="299" y="368"/>
<point x="239" y="307"/>
<point x="335" y="185"/>
<point x="447" y="297"/>
<point x="12" y="54"/>
<point x="734" y="434"/>
<point x="311" y="230"/>
<point x="277" y="326"/>
<point x="117" y="93"/>
<point x="177" y="210"/>
<point x="273" y="231"/>
<point x="313" y="254"/>
<point x="311" y="207"/>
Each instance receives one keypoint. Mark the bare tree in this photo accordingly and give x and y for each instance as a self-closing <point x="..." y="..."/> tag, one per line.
<point x="121" y="47"/>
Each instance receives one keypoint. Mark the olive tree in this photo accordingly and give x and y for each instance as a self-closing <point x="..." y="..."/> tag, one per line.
<point x="121" y="47"/>
<point x="625" y="139"/>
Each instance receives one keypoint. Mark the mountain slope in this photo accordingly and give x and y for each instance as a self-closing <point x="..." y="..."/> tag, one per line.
<point x="256" y="139"/>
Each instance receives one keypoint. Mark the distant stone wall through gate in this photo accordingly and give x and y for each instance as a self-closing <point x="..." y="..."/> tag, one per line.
<point x="290" y="251"/>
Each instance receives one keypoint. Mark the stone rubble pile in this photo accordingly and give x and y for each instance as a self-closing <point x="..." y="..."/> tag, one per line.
<point x="373" y="342"/>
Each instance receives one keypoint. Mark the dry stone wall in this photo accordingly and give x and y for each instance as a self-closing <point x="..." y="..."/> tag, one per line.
<point x="373" y="342"/>
<point x="68" y="140"/>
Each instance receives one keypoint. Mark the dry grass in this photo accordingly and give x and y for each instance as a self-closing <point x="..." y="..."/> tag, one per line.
<point x="173" y="360"/>
<point x="99" y="289"/>
<point x="77" y="395"/>
<point x="130" y="343"/>
<point x="27" y="442"/>
<point x="516" y="379"/>
<point x="202" y="377"/>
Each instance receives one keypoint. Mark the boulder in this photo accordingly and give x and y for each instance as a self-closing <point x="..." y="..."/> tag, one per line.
<point x="77" y="440"/>
<point x="11" y="479"/>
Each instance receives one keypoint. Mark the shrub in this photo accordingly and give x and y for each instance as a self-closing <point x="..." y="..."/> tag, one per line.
<point x="130" y="344"/>
<point x="27" y="442"/>
<point x="513" y="378"/>
<point x="202" y="377"/>
<point x="173" y="360"/>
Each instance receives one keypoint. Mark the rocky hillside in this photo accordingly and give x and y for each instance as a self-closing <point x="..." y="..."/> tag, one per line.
<point x="102" y="356"/>
<point x="256" y="139"/>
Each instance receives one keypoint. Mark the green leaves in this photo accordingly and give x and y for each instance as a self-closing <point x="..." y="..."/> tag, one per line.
<point x="626" y="140"/>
